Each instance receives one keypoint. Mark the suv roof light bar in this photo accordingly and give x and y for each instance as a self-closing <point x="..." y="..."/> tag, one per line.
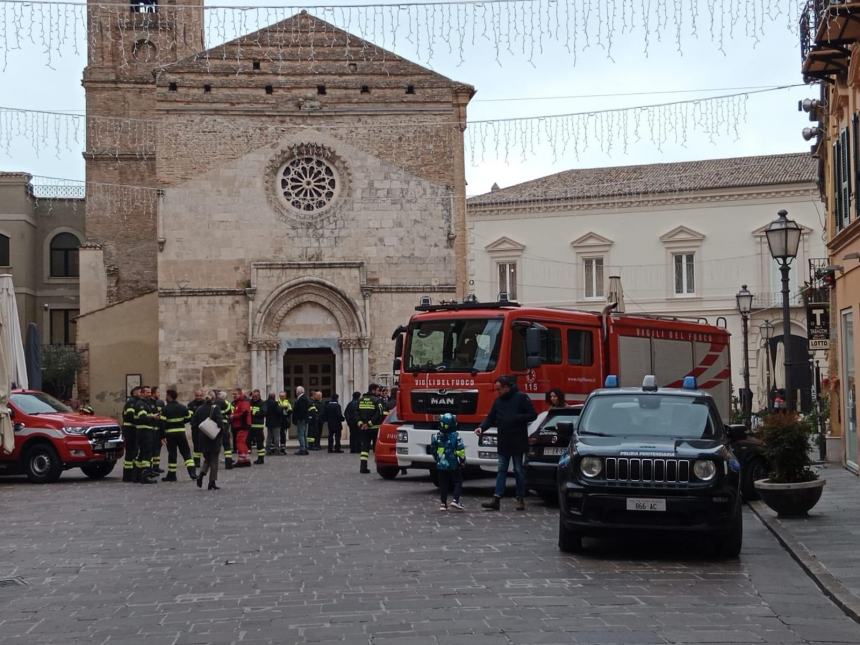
<point x="457" y="306"/>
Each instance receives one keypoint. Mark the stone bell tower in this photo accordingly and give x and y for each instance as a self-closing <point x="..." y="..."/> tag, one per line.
<point x="129" y="41"/>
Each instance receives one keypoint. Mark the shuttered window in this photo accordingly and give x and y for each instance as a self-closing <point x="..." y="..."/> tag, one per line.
<point x="855" y="154"/>
<point x="842" y="180"/>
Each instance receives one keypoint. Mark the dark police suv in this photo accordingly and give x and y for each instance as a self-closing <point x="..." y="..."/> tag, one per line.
<point x="653" y="459"/>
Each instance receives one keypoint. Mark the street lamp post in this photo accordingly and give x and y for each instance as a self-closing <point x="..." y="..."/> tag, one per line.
<point x="783" y="238"/>
<point x="744" y="299"/>
<point x="766" y="332"/>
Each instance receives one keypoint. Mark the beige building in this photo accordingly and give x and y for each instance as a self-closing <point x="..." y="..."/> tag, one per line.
<point x="683" y="237"/>
<point x="41" y="228"/>
<point x="299" y="214"/>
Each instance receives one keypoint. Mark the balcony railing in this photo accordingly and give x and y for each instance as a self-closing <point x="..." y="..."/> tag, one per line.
<point x="810" y="18"/>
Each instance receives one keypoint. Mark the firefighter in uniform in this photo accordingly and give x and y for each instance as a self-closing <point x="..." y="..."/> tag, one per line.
<point x="147" y="426"/>
<point x="195" y="433"/>
<point x="258" y="424"/>
<point x="176" y="416"/>
<point x="369" y="418"/>
<point x="156" y="458"/>
<point x="129" y="436"/>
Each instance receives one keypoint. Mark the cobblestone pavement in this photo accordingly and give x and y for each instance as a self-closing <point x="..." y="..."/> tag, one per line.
<point x="306" y="550"/>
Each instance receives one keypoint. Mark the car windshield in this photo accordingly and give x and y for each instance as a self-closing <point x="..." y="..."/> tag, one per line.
<point x="653" y="415"/>
<point x="37" y="403"/>
<point x="461" y="345"/>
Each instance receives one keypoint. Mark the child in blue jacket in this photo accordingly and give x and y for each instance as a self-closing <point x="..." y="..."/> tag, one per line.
<point x="450" y="455"/>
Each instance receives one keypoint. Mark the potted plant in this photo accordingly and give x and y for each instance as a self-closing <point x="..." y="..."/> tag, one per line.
<point x="792" y="487"/>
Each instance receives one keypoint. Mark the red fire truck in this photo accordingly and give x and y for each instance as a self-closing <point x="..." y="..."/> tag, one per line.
<point x="449" y="356"/>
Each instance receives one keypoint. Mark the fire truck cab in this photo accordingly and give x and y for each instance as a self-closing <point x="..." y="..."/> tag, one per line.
<point x="449" y="356"/>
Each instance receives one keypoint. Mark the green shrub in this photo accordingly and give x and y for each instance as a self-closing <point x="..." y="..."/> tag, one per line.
<point x="786" y="447"/>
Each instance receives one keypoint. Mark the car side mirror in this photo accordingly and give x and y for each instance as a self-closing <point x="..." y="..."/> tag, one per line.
<point x="736" y="431"/>
<point x="565" y="426"/>
<point x="18" y="427"/>
<point x="397" y="365"/>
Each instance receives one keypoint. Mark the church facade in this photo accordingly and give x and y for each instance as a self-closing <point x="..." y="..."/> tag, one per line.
<point x="278" y="216"/>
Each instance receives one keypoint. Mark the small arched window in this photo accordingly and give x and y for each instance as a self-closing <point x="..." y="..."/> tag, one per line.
<point x="64" y="256"/>
<point x="4" y="251"/>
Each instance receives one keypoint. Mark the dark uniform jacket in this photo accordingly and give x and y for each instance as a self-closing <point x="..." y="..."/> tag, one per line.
<point x="511" y="414"/>
<point x="370" y="411"/>
<point x="147" y="415"/>
<point x="332" y="414"/>
<point x="129" y="414"/>
<point x="258" y="413"/>
<point x="196" y="403"/>
<point x="176" y="416"/>
<point x="351" y="412"/>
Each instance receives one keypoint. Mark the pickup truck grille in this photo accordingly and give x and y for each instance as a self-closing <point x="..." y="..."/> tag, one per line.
<point x="103" y="433"/>
<point x="668" y="471"/>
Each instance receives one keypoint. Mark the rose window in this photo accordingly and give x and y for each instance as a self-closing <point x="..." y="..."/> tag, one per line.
<point x="308" y="184"/>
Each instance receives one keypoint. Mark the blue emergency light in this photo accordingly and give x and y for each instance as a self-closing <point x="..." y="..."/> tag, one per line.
<point x="690" y="383"/>
<point x="611" y="381"/>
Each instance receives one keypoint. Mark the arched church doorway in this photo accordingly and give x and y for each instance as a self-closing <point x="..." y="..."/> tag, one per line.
<point x="313" y="369"/>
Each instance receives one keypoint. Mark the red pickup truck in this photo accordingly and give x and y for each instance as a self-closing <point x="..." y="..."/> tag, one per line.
<point x="50" y="437"/>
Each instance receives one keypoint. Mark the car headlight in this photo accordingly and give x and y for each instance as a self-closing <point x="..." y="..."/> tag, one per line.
<point x="74" y="430"/>
<point x="591" y="466"/>
<point x="402" y="436"/>
<point x="488" y="440"/>
<point x="704" y="469"/>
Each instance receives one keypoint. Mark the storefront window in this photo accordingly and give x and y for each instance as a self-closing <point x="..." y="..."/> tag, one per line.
<point x="849" y="395"/>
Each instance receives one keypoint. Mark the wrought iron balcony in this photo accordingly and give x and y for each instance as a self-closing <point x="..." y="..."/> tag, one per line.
<point x="827" y="28"/>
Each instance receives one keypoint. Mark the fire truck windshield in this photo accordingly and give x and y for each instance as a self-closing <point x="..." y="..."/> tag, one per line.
<point x="458" y="345"/>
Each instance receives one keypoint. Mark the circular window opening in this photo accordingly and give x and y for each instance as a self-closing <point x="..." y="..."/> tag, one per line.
<point x="308" y="184"/>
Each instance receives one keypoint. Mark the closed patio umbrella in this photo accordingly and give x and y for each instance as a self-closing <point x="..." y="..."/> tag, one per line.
<point x="761" y="381"/>
<point x="779" y="367"/>
<point x="7" y="433"/>
<point x="33" y="352"/>
<point x="15" y="362"/>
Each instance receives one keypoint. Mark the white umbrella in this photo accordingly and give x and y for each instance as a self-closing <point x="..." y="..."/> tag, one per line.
<point x="779" y="367"/>
<point x="7" y="432"/>
<point x="14" y="344"/>
<point x="761" y="381"/>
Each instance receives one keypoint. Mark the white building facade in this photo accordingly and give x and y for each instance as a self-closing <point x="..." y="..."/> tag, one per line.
<point x="683" y="237"/>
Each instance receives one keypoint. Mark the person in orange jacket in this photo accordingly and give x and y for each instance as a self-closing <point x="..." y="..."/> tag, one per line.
<point x="240" y="423"/>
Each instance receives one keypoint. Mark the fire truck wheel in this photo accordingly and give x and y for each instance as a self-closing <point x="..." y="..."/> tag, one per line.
<point x="42" y="464"/>
<point x="98" y="470"/>
<point x="387" y="472"/>
<point x="434" y="477"/>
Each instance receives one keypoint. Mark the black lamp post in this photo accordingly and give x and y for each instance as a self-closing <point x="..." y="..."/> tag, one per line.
<point x="744" y="299"/>
<point x="783" y="238"/>
<point x="766" y="332"/>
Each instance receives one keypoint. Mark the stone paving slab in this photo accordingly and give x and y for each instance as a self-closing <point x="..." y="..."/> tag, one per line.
<point x="307" y="550"/>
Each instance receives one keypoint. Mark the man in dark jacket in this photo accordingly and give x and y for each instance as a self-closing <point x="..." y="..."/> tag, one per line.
<point x="351" y="414"/>
<point x="195" y="437"/>
<point x="511" y="414"/>
<point x="333" y="416"/>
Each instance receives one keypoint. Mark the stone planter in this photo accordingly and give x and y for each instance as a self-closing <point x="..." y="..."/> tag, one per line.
<point x="790" y="500"/>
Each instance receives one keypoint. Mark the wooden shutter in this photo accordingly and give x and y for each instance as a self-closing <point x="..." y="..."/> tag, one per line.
<point x="855" y="154"/>
<point x="845" y="188"/>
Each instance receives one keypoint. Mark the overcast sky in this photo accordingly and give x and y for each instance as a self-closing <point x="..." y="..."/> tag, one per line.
<point x="772" y="123"/>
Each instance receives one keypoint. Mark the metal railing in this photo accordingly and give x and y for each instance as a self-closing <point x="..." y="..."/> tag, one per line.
<point x="810" y="18"/>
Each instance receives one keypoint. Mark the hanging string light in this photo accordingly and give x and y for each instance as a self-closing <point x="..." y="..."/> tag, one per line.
<point x="424" y="30"/>
<point x="609" y="131"/>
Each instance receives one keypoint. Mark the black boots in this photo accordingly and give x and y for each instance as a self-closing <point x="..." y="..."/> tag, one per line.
<point x="192" y="473"/>
<point x="521" y="504"/>
<point x="200" y="480"/>
<point x="259" y="461"/>
<point x="169" y="477"/>
<point x="364" y="470"/>
<point x="212" y="486"/>
<point x="228" y="463"/>
<point x="128" y="475"/>
<point x="492" y="505"/>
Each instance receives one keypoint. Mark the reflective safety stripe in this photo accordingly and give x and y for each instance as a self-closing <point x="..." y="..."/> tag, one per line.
<point x="174" y="430"/>
<point x="175" y="420"/>
<point x="261" y="452"/>
<point x="171" y="468"/>
<point x="257" y="426"/>
<point x="364" y="456"/>
<point x="311" y="440"/>
<point x="127" y="465"/>
<point x="189" y="463"/>
<point x="228" y="453"/>
<point x="198" y="455"/>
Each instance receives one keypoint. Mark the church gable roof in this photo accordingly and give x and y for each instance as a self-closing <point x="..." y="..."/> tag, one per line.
<point x="305" y="44"/>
